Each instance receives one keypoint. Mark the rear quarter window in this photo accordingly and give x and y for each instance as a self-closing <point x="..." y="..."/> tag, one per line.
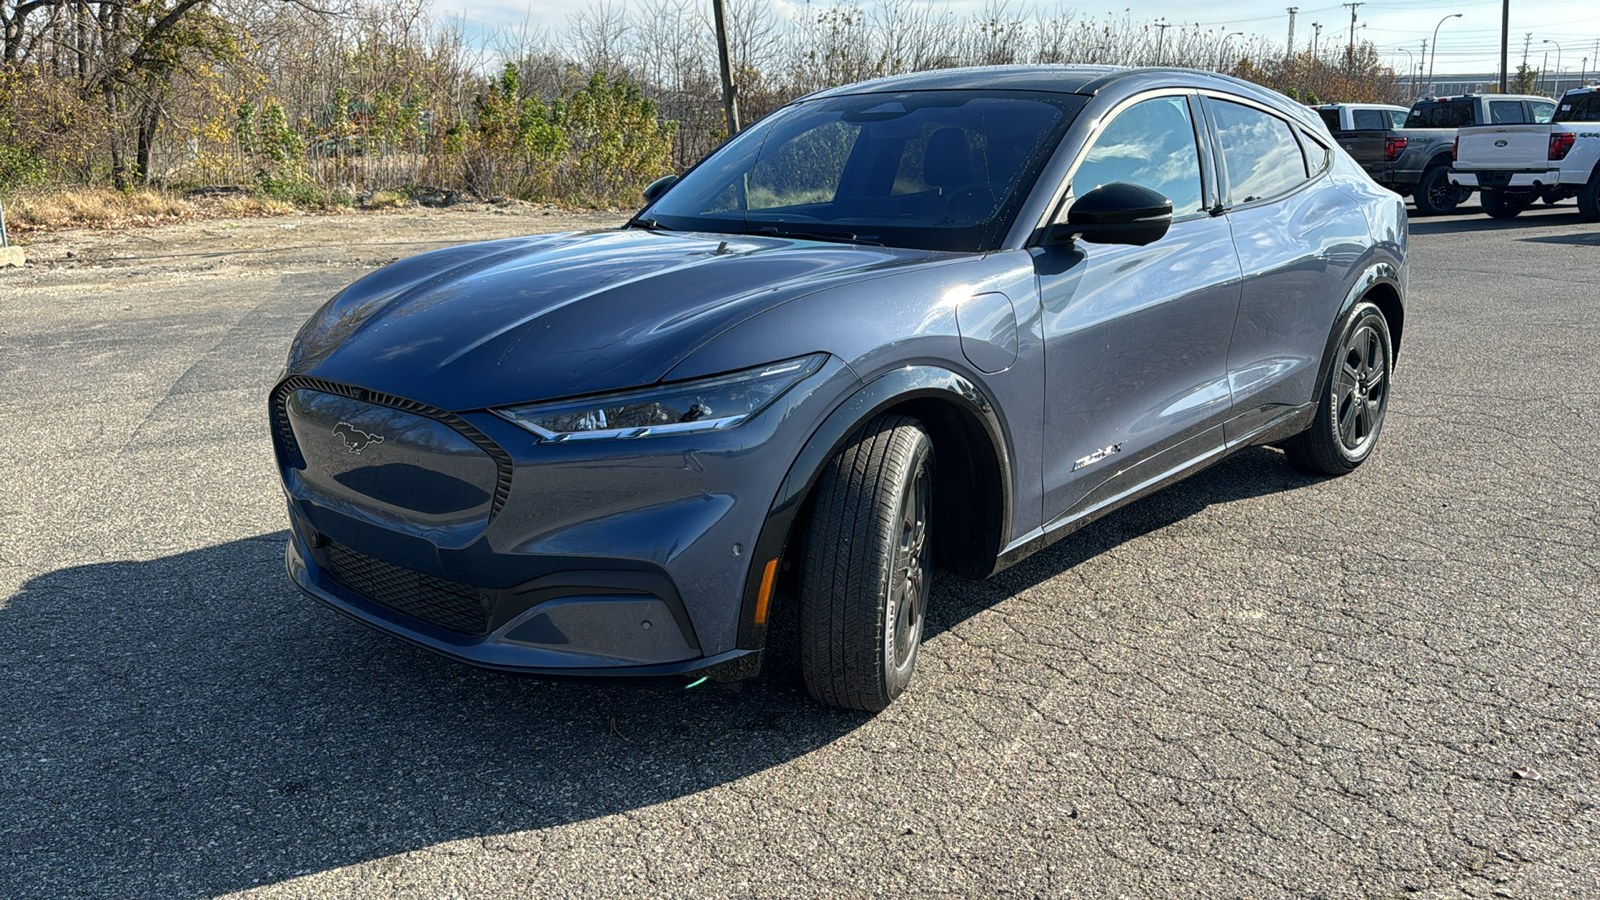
<point x="1371" y="120"/>
<point x="1506" y="112"/>
<point x="1583" y="108"/>
<point x="1443" y="114"/>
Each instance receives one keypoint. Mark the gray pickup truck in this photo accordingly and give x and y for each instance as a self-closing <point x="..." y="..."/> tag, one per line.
<point x="1415" y="160"/>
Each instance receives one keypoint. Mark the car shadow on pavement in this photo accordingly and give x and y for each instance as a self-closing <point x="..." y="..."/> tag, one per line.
<point x="191" y="725"/>
<point x="1539" y="216"/>
<point x="1250" y="473"/>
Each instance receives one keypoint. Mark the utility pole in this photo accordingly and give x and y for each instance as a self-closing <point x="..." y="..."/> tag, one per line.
<point x="1542" y="67"/>
<point x="1161" y="43"/>
<point x="1289" y="46"/>
<point x="1316" y="35"/>
<point x="730" y="102"/>
<point x="1351" y="53"/>
<point x="1505" y="33"/>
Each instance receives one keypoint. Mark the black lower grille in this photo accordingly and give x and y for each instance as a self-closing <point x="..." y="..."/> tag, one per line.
<point x="447" y="604"/>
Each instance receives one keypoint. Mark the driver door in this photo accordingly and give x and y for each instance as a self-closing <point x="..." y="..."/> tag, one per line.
<point x="1136" y="338"/>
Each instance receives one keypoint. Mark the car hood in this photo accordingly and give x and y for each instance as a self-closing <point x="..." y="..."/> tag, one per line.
<point x="530" y="319"/>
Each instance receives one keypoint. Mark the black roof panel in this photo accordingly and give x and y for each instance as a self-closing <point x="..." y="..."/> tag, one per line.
<point x="1062" y="78"/>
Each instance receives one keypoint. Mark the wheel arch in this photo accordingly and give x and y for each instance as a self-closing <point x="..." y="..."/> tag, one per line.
<point x="1380" y="285"/>
<point x="973" y="465"/>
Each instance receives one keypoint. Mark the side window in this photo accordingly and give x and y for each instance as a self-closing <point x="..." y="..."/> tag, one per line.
<point x="1151" y="144"/>
<point x="1318" y="157"/>
<point x="1259" y="151"/>
<point x="1398" y="117"/>
<point x="1505" y="112"/>
<point x="1371" y="120"/>
<point x="1542" y="112"/>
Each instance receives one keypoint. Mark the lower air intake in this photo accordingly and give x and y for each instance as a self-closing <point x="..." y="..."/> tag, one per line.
<point x="447" y="604"/>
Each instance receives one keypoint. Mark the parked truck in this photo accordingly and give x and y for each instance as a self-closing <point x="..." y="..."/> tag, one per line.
<point x="1415" y="160"/>
<point x="1512" y="165"/>
<point x="1362" y="129"/>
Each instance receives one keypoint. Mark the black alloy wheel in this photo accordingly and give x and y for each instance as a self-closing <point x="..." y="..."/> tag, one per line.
<point x="1354" y="398"/>
<point x="1589" y="198"/>
<point x="1435" y="195"/>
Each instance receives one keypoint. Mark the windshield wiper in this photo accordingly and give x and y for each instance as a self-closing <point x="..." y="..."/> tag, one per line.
<point x="838" y="237"/>
<point x="646" y="224"/>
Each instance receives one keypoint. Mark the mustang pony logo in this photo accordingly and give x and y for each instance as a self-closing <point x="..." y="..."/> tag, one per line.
<point x="355" y="440"/>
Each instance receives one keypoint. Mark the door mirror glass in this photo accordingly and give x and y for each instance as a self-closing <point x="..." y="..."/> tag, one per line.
<point x="658" y="187"/>
<point x="1116" y="213"/>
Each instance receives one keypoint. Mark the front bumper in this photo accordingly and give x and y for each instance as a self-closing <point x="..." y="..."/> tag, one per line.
<point x="1504" y="178"/>
<point x="617" y="558"/>
<point x="525" y="645"/>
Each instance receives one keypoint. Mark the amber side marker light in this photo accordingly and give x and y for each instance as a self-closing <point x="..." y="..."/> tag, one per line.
<point x="765" y="596"/>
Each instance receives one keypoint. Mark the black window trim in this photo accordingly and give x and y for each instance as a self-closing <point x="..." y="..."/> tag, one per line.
<point x="1208" y="96"/>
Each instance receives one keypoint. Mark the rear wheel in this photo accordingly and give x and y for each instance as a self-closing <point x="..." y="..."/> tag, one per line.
<point x="864" y="579"/>
<point x="1589" y="199"/>
<point x="1354" y="398"/>
<point x="1503" y="204"/>
<point x="1435" y="195"/>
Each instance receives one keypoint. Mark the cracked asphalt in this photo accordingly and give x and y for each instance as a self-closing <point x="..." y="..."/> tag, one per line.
<point x="1254" y="684"/>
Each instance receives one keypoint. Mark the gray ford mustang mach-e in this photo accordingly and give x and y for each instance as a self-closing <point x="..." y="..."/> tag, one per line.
<point x="935" y="319"/>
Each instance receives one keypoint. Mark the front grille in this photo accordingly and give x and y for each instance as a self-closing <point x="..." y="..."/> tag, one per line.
<point x="290" y="451"/>
<point x="447" y="604"/>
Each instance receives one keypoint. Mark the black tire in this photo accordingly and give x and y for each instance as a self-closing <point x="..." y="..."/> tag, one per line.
<point x="1589" y="199"/>
<point x="1435" y="195"/>
<point x="1353" y="398"/>
<point x="1503" y="204"/>
<point x="864" y="577"/>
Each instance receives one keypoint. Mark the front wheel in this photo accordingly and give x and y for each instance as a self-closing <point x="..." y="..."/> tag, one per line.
<point x="1354" y="398"/>
<point x="864" y="579"/>
<point x="1435" y="195"/>
<point x="1503" y="204"/>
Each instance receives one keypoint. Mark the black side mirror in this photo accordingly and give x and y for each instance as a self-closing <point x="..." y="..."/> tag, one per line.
<point x="658" y="187"/>
<point x="1116" y="213"/>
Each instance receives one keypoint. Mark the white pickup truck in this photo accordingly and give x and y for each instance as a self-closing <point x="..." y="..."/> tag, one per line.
<point x="1513" y="165"/>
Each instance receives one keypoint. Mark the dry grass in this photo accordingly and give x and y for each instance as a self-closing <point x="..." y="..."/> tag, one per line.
<point x="93" y="208"/>
<point x="387" y="200"/>
<point x="37" y="212"/>
<point x="255" y="206"/>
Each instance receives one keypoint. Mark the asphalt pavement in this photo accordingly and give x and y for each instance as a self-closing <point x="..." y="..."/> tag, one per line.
<point x="1253" y="684"/>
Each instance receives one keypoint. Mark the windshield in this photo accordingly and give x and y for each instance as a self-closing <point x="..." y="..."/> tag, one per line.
<point x="935" y="170"/>
<point x="1443" y="114"/>
<point x="1579" y="108"/>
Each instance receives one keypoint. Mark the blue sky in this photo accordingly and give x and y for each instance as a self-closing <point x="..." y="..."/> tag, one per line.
<point x="1468" y="44"/>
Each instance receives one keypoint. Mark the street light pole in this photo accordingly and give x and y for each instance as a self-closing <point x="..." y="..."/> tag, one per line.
<point x="1557" y="90"/>
<point x="1222" y="51"/>
<point x="1410" y="67"/>
<point x="1435" y="52"/>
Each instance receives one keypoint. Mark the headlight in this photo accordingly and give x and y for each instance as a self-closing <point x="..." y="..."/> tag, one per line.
<point x="701" y="405"/>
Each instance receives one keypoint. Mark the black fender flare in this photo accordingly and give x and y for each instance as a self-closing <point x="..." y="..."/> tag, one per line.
<point x="891" y="389"/>
<point x="1379" y="273"/>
